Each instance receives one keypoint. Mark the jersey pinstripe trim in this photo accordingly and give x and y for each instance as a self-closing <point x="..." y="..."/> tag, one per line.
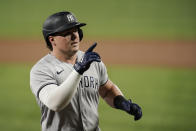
<point x="104" y="82"/>
<point x="43" y="87"/>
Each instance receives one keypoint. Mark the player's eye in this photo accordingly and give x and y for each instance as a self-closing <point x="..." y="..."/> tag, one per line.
<point x="64" y="34"/>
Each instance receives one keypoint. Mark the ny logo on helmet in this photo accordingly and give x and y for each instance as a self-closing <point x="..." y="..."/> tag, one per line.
<point x="70" y="18"/>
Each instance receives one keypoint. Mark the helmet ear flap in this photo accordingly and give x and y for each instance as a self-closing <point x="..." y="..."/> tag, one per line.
<point x="80" y="32"/>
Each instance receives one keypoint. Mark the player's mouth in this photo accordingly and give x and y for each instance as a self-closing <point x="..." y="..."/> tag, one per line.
<point x="74" y="43"/>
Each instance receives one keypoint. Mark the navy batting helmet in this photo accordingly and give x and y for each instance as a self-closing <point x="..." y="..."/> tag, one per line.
<point x="59" y="22"/>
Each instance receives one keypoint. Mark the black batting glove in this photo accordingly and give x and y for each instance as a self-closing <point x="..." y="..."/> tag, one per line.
<point x="88" y="58"/>
<point x="133" y="109"/>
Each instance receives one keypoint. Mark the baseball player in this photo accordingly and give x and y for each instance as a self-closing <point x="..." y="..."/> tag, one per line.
<point x="67" y="82"/>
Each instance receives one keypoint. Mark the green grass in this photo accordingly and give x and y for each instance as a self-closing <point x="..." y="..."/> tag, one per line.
<point x="167" y="97"/>
<point x="18" y="109"/>
<point x="164" y="19"/>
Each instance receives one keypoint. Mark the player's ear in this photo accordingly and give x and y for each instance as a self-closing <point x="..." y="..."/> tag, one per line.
<point x="51" y="39"/>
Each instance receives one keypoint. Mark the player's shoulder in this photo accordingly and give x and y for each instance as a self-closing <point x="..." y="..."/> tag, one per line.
<point x="43" y="64"/>
<point x="99" y="65"/>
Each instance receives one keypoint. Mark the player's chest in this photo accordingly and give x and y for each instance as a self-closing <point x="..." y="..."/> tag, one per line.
<point x="89" y="80"/>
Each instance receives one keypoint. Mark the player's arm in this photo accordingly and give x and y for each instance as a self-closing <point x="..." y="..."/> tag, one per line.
<point x="57" y="97"/>
<point x="109" y="91"/>
<point x="114" y="97"/>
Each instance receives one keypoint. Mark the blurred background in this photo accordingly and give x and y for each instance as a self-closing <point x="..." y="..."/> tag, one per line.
<point x="149" y="48"/>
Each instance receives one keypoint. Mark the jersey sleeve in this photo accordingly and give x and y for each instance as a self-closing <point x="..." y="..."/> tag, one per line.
<point x="103" y="73"/>
<point x="39" y="78"/>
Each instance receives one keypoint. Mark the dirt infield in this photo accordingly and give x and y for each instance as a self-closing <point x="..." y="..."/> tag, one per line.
<point x="132" y="52"/>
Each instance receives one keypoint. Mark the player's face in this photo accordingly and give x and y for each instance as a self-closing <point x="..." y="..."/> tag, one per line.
<point x="67" y="42"/>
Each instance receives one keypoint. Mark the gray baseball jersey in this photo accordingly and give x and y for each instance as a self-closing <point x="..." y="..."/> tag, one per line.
<point x="81" y="114"/>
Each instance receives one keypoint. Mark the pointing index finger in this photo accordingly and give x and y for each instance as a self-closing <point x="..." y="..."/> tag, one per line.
<point x="90" y="49"/>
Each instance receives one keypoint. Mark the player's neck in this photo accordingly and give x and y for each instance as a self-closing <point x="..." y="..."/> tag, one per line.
<point x="68" y="58"/>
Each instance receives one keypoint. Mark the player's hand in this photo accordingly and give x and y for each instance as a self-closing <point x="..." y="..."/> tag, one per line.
<point x="126" y="105"/>
<point x="135" y="110"/>
<point x="88" y="58"/>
